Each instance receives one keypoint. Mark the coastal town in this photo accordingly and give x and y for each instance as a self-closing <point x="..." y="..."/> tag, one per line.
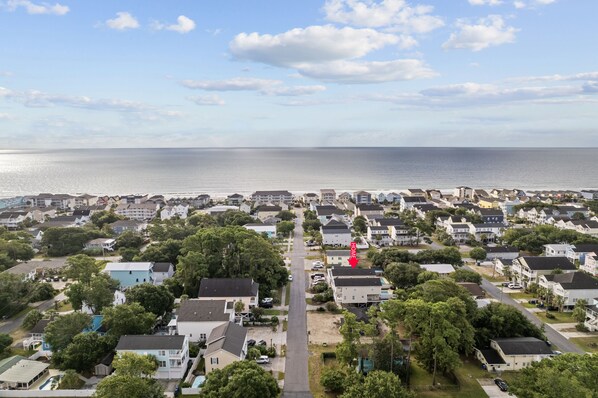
<point x="462" y="292"/>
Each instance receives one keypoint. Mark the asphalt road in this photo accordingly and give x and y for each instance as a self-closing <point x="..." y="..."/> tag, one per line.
<point x="555" y="337"/>
<point x="12" y="324"/>
<point x="296" y="382"/>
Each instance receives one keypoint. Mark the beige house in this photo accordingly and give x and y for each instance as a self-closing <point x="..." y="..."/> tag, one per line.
<point x="227" y="344"/>
<point x="338" y="257"/>
<point x="266" y="211"/>
<point x="513" y="353"/>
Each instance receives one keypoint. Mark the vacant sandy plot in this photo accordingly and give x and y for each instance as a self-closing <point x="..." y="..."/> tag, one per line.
<point x="323" y="327"/>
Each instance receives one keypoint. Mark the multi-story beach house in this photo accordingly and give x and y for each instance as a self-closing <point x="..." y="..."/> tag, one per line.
<point x="274" y="197"/>
<point x="171" y="352"/>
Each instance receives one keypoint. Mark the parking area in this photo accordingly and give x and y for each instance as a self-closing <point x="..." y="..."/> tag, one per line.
<point x="492" y="389"/>
<point x="276" y="339"/>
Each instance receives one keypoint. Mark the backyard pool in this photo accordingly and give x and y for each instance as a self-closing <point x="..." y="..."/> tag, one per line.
<point x="51" y="382"/>
<point x="198" y="382"/>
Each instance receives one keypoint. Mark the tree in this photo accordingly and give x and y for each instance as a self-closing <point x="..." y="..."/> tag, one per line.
<point x="378" y="384"/>
<point x="128" y="254"/>
<point x="129" y="239"/>
<point x="84" y="352"/>
<point x="286" y="215"/>
<point x="567" y="375"/>
<point x="5" y="341"/>
<point x="311" y="225"/>
<point x="192" y="268"/>
<point x="332" y="379"/>
<point x="61" y="331"/>
<point x="465" y="275"/>
<point x="579" y="312"/>
<point x="239" y="307"/>
<point x="41" y="292"/>
<point x="101" y="218"/>
<point x="70" y="381"/>
<point x="257" y="313"/>
<point x="31" y="319"/>
<point x="360" y="224"/>
<point x="427" y="276"/>
<point x="163" y="252"/>
<point x="242" y="379"/>
<point x="16" y="250"/>
<point x="498" y="320"/>
<point x="128" y="319"/>
<point x="285" y="227"/>
<point x="351" y="330"/>
<point x="440" y="290"/>
<point x="578" y="216"/>
<point x="155" y="299"/>
<point x="478" y="254"/>
<point x="76" y="295"/>
<point x="387" y="352"/>
<point x="99" y="294"/>
<point x="202" y="220"/>
<point x="403" y="275"/>
<point x="67" y="241"/>
<point x="82" y="268"/>
<point x="234" y="217"/>
<point x="132" y="378"/>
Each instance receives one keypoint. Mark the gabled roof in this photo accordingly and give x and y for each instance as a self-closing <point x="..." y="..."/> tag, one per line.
<point x="162" y="267"/>
<point x="547" y="263"/>
<point x="346" y="271"/>
<point x="501" y="249"/>
<point x="357" y="282"/>
<point x="473" y="288"/>
<point x="492" y="357"/>
<point x="574" y="281"/>
<point x="372" y="207"/>
<point x="269" y="208"/>
<point x="328" y="210"/>
<point x="146" y="342"/>
<point x="272" y="193"/>
<point x="490" y="212"/>
<point x="334" y="225"/>
<point x="414" y="199"/>
<point x="229" y="337"/>
<point x="338" y="253"/>
<point x="140" y="266"/>
<point x="387" y="222"/>
<point x="202" y="311"/>
<point x="440" y="268"/>
<point x="585" y="248"/>
<point x="228" y="287"/>
<point x="523" y="346"/>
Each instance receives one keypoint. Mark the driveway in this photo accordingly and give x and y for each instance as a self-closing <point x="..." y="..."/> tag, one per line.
<point x="296" y="382"/>
<point x="554" y="336"/>
<point x="492" y="389"/>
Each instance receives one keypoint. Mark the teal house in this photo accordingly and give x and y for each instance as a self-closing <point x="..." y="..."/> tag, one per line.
<point x="131" y="274"/>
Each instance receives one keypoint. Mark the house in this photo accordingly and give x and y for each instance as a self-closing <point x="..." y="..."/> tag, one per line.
<point x="579" y="252"/>
<point x="179" y="211"/>
<point x="400" y="234"/>
<point x="226" y="344"/>
<point x="528" y="269"/>
<point x="344" y="197"/>
<point x="230" y="290"/>
<point x="586" y="227"/>
<point x="490" y="203"/>
<point x="416" y="192"/>
<point x="131" y="274"/>
<point x="12" y="219"/>
<point x="86" y="200"/>
<point x="362" y="197"/>
<point x="274" y="197"/>
<point x="138" y="211"/>
<point x="335" y="233"/>
<point x="421" y="209"/>
<point x="266" y="211"/>
<point x="503" y="266"/>
<point x="434" y="194"/>
<point x="514" y="353"/>
<point x="442" y="269"/>
<point x="338" y="258"/>
<point x="459" y="232"/>
<point x="172" y="352"/>
<point x="120" y="226"/>
<point x="391" y="197"/>
<point x="491" y="216"/>
<point x="559" y="250"/>
<point x="326" y="212"/>
<point x="19" y="373"/>
<point x="104" y="368"/>
<point x="104" y="244"/>
<point x="60" y="201"/>
<point x="504" y="252"/>
<point x="379" y="235"/>
<point x="234" y="199"/>
<point x="355" y="286"/>
<point x="162" y="271"/>
<point x="590" y="264"/>
<point x="327" y="195"/>
<point x="407" y="202"/>
<point x="310" y="197"/>
<point x="269" y="230"/>
<point x="474" y="289"/>
<point x="369" y="210"/>
<point x="486" y="232"/>
<point x="216" y="210"/>
<point x="589" y="194"/>
<point x="133" y="199"/>
<point x="463" y="192"/>
<point x="571" y="287"/>
<point x="197" y="318"/>
<point x="591" y="321"/>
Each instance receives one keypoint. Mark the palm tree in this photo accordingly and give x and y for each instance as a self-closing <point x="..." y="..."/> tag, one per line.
<point x="559" y="301"/>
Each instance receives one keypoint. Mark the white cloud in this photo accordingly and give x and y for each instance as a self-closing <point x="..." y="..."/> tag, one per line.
<point x="5" y="73"/>
<point x="519" y="4"/>
<point x="123" y="21"/>
<point x="207" y="100"/>
<point x="398" y="15"/>
<point x="263" y="86"/>
<point x="37" y="8"/>
<point x="184" y="25"/>
<point x="6" y="116"/>
<point x="488" y="32"/>
<point x="485" y="2"/>
<point x="584" y="76"/>
<point x="330" y="54"/>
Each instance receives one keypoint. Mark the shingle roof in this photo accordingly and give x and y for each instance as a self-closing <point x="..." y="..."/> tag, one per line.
<point x="228" y="337"/>
<point x="40" y="326"/>
<point x="162" y="267"/>
<point x="269" y="208"/>
<point x="228" y="287"/>
<point x="585" y="248"/>
<point x="372" y="207"/>
<point x="387" y="222"/>
<point x="357" y="282"/>
<point x="328" y="210"/>
<point x="338" y="252"/>
<point x="492" y="357"/>
<point x="547" y="263"/>
<point x="202" y="311"/>
<point x="145" y="342"/>
<point x="272" y="193"/>
<point x="574" y="280"/>
<point x="345" y="271"/>
<point x="501" y="249"/>
<point x="473" y="288"/>
<point x="523" y="346"/>
<point x="414" y="199"/>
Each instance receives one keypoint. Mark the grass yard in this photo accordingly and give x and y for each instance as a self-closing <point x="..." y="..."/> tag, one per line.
<point x="467" y="375"/>
<point x="287" y="296"/>
<point x="522" y="295"/>
<point x="559" y="317"/>
<point x="285" y="325"/>
<point x="270" y="311"/>
<point x="65" y="306"/>
<point x="314" y="369"/>
<point x="590" y="344"/>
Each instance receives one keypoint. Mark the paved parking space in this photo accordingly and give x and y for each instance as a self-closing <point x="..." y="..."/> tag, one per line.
<point x="276" y="339"/>
<point x="492" y="389"/>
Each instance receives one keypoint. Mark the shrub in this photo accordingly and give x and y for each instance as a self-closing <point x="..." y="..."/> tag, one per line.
<point x="331" y="306"/>
<point x="271" y="352"/>
<point x="193" y="350"/>
<point x="581" y="327"/>
<point x="320" y="309"/>
<point x="332" y="379"/>
<point x="274" y="320"/>
<point x="320" y="288"/>
<point x="31" y="319"/>
<point x="549" y="315"/>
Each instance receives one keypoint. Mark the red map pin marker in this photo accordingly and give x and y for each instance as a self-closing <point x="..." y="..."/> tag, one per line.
<point x="353" y="260"/>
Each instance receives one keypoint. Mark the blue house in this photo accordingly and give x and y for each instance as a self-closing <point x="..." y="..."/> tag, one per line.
<point x="131" y="274"/>
<point x="37" y="333"/>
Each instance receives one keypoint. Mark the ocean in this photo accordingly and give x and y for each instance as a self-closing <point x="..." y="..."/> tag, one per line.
<point x="218" y="172"/>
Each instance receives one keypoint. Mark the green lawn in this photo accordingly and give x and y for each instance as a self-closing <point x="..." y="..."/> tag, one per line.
<point x="285" y="325"/>
<point x="467" y="375"/>
<point x="590" y="344"/>
<point x="560" y="317"/>
<point x="315" y="366"/>
<point x="287" y="297"/>
<point x="271" y="311"/>
<point x="522" y="295"/>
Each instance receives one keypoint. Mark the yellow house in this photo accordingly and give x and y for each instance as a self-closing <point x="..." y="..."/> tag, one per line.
<point x="227" y="344"/>
<point x="488" y="203"/>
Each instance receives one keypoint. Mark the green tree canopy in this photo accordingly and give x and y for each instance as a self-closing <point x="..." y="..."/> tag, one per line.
<point x="82" y="268"/>
<point x="285" y="227"/>
<point x="84" y="352"/>
<point x="378" y="384"/>
<point x="101" y="218"/>
<point x="403" y="275"/>
<point x="60" y="332"/>
<point x="128" y="319"/>
<point x="67" y="241"/>
<point x="498" y="320"/>
<point x="465" y="275"/>
<point x="478" y="254"/>
<point x="129" y="239"/>
<point x="132" y="378"/>
<point x="70" y="381"/>
<point x="5" y="341"/>
<point x="440" y="290"/>
<point x="31" y="319"/>
<point x="360" y="224"/>
<point x="155" y="299"/>
<point x="242" y="379"/>
<point x="234" y="217"/>
<point x="286" y="215"/>
<point x="163" y="252"/>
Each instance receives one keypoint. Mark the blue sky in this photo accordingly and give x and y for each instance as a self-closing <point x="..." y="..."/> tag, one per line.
<point x="298" y="73"/>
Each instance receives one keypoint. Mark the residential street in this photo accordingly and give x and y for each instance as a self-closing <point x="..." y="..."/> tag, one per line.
<point x="555" y="337"/>
<point x="296" y="383"/>
<point x="12" y="324"/>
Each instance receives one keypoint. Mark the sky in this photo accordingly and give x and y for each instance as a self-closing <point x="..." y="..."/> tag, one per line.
<point x="280" y="73"/>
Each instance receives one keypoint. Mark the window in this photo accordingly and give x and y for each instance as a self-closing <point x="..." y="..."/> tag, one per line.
<point x="137" y="280"/>
<point x="162" y="353"/>
<point x="214" y="361"/>
<point x="161" y="364"/>
<point x="130" y="272"/>
<point x="202" y="336"/>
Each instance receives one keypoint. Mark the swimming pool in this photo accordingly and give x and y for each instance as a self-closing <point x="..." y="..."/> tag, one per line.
<point x="48" y="383"/>
<point x="198" y="382"/>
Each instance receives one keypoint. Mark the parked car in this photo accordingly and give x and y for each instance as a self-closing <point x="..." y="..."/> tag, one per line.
<point x="506" y="284"/>
<point x="515" y="286"/>
<point x="267" y="300"/>
<point x="317" y="275"/>
<point x="268" y="304"/>
<point x="501" y="384"/>
<point x="263" y="359"/>
<point x="250" y="343"/>
<point x="533" y="301"/>
<point x="548" y="343"/>
<point x="290" y="277"/>
<point x="261" y="342"/>
<point x="557" y="353"/>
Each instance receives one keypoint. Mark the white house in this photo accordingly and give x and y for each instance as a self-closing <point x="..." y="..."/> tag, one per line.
<point x="503" y="252"/>
<point x="269" y="230"/>
<point x="459" y="232"/>
<point x="442" y="269"/>
<point x="514" y="353"/>
<point x="226" y="344"/>
<point x="362" y="197"/>
<point x="162" y="271"/>
<point x="12" y="219"/>
<point x="571" y="287"/>
<point x="590" y="264"/>
<point x="138" y="211"/>
<point x="327" y="195"/>
<point x="264" y="197"/>
<point x="169" y="212"/>
<point x="369" y="210"/>
<point x="197" y="318"/>
<point x="266" y="211"/>
<point x="338" y="257"/>
<point x="407" y="202"/>
<point x="172" y="352"/>
<point x="230" y="290"/>
<point x="120" y="226"/>
<point x="579" y="252"/>
<point x="559" y="250"/>
<point x="101" y="244"/>
<point x="591" y="321"/>
<point x="310" y="197"/>
<point x="528" y="269"/>
<point x="379" y="235"/>
<point x="355" y="285"/>
<point x="335" y="233"/>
